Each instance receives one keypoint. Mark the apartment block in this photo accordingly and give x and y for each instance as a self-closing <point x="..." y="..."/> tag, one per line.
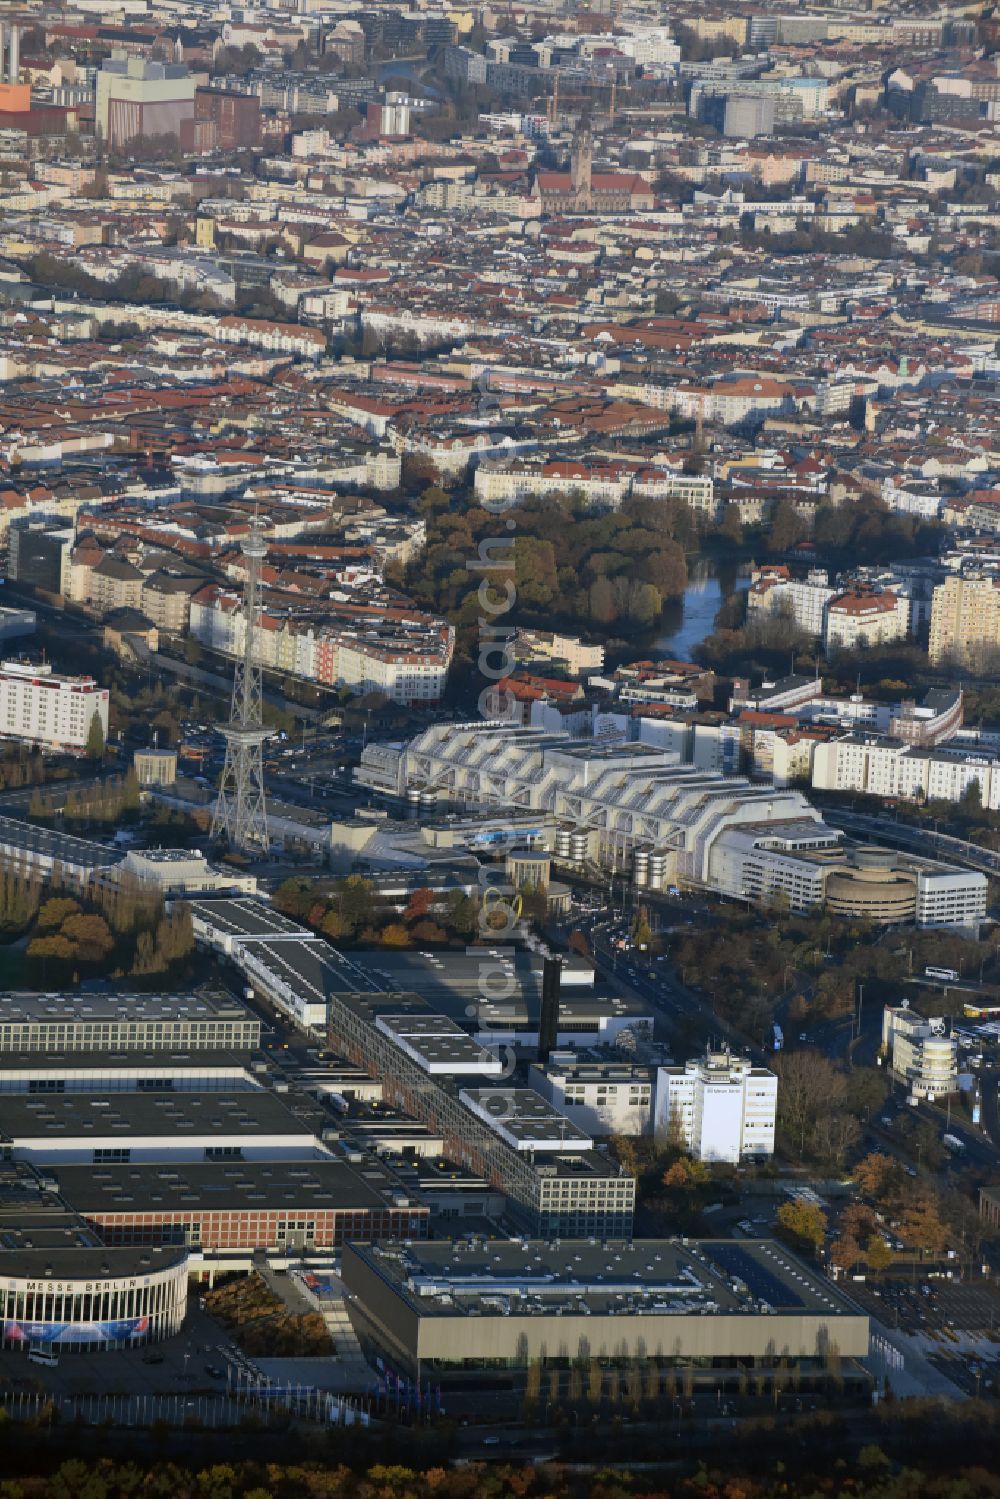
<point x="965" y="620"/>
<point x="803" y="601"/>
<point x="858" y="620"/>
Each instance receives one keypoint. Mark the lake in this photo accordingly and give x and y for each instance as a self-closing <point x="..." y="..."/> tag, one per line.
<point x="687" y="620"/>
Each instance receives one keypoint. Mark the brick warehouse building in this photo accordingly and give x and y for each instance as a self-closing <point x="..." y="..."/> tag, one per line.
<point x="240" y="1206"/>
<point x="233" y="119"/>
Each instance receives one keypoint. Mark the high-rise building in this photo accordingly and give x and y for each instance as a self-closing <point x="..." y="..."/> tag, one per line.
<point x="965" y="620"/>
<point x="233" y="119"/>
<point x="719" y="1107"/>
<point x="140" y="98"/>
<point x="39" y="555"/>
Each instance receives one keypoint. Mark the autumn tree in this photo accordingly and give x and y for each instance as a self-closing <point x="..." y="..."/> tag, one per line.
<point x="874" y="1174"/>
<point x="602" y="602"/>
<point x="463" y="912"/>
<point x="642" y="932"/>
<point x="686" y="1174"/>
<point x="147" y="958"/>
<point x="846" y="1252"/>
<point x="579" y="943"/>
<point x="295" y="896"/>
<point x="355" y="900"/>
<point x="879" y="1253"/>
<point x="921" y="1227"/>
<point x="333" y="926"/>
<point x="54" y="911"/>
<point x="395" y="935"/>
<point x="802" y="1222"/>
<point x="20" y="894"/>
<point x="90" y="935"/>
<point x="52" y="955"/>
<point x="419" y="904"/>
<point x="428" y="931"/>
<point x="623" y="1149"/>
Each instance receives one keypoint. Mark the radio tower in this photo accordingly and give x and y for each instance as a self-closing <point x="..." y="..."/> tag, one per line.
<point x="240" y="814"/>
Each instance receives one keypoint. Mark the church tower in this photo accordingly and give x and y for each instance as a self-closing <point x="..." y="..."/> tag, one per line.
<point x="581" y="164"/>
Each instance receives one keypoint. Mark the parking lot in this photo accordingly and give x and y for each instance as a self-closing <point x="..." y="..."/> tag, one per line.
<point x="934" y="1307"/>
<point x="179" y="1366"/>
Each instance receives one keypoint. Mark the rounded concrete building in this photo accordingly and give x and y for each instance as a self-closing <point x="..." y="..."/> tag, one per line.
<point x="75" y="1299"/>
<point x="873" y="885"/>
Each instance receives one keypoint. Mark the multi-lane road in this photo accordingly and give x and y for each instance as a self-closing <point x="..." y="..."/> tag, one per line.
<point x="685" y="1020"/>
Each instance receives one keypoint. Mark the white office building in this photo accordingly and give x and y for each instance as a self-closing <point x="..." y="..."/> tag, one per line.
<point x="41" y="707"/>
<point x="920" y="1052"/>
<point x="602" y="1096"/>
<point x="719" y="1107"/>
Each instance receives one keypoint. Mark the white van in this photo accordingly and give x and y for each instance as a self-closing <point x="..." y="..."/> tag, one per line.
<point x="46" y="1356"/>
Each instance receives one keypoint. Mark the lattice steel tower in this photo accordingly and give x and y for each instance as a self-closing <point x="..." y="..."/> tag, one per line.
<point x="240" y="812"/>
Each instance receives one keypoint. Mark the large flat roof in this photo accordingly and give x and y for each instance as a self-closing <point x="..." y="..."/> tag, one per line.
<point x="64" y="1116"/>
<point x="245" y="918"/>
<point x="525" y="1119"/>
<point x="449" y="981"/>
<point x="245" y="1186"/>
<point x="310" y="966"/>
<point x="56" y="1245"/>
<point x="439" y="1045"/>
<point x="169" y="1060"/>
<point x="645" y="1276"/>
<point x="78" y="1008"/>
<point x="41" y="1238"/>
<point x="59" y="847"/>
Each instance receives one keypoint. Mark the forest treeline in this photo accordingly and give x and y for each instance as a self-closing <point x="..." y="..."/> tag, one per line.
<point x="870" y="1474"/>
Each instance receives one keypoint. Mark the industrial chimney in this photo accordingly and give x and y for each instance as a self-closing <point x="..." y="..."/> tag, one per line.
<point x="548" y="1020"/>
<point x="14" y="64"/>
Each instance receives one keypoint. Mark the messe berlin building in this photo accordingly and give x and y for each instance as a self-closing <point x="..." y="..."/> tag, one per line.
<point x="634" y="809"/>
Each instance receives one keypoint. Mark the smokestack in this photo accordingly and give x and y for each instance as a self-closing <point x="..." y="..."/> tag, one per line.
<point x="3" y="50"/>
<point x="15" y="54"/>
<point x="548" y="1020"/>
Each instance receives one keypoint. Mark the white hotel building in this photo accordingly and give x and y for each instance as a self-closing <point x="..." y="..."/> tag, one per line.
<point x="41" y="707"/>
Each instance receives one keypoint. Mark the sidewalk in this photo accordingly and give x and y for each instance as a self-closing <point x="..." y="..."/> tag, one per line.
<point x="916" y="1375"/>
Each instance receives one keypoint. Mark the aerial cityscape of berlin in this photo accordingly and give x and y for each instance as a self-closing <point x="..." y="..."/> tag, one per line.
<point x="500" y="749"/>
